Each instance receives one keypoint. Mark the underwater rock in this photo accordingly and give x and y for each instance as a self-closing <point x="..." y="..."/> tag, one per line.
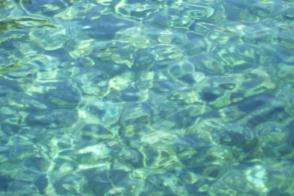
<point x="41" y="183"/>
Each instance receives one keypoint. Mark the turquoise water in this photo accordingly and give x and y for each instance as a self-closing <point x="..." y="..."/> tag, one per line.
<point x="146" y="98"/>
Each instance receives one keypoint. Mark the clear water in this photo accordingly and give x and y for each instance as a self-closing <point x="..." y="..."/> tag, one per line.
<point x="146" y="98"/>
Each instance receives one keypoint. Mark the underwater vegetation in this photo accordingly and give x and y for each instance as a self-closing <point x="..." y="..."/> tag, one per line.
<point x="154" y="97"/>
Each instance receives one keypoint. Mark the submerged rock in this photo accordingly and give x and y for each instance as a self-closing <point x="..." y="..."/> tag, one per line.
<point x="41" y="183"/>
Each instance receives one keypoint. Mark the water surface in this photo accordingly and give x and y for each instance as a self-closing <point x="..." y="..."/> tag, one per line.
<point x="154" y="97"/>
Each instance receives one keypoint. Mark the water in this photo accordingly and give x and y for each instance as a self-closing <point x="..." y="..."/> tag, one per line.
<point x="155" y="97"/>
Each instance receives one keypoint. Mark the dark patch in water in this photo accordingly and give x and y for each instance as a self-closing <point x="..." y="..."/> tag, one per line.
<point x="106" y="27"/>
<point x="276" y="112"/>
<point x="188" y="78"/>
<point x="209" y="96"/>
<point x="4" y="182"/>
<point x="290" y="132"/>
<point x="41" y="183"/>
<point x="252" y="103"/>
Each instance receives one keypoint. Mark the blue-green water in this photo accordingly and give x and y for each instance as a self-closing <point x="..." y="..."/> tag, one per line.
<point x="146" y="98"/>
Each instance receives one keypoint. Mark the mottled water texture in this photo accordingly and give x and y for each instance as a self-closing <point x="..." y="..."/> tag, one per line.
<point x="146" y="97"/>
